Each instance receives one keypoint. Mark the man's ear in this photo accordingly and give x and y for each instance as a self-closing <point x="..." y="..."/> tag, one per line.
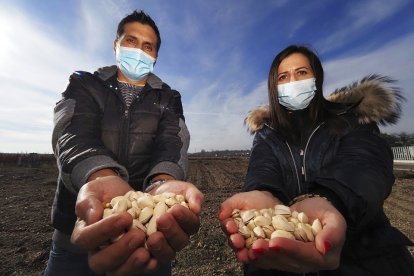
<point x="114" y="48"/>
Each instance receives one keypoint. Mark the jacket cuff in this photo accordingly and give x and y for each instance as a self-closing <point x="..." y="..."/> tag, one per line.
<point x="165" y="167"/>
<point x="85" y="168"/>
<point x="332" y="197"/>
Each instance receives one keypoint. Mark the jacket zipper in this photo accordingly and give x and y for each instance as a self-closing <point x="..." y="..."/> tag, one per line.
<point x="304" y="165"/>
<point x="306" y="147"/>
<point x="296" y="168"/>
<point x="124" y="138"/>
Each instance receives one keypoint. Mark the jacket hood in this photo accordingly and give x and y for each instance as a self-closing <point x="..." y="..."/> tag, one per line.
<point x="107" y="72"/>
<point x="372" y="99"/>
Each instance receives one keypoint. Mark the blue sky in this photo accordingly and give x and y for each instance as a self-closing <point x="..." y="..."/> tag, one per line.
<point x="217" y="53"/>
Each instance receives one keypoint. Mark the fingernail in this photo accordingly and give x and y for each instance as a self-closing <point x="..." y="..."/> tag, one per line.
<point x="275" y="248"/>
<point x="327" y="246"/>
<point x="258" y="250"/>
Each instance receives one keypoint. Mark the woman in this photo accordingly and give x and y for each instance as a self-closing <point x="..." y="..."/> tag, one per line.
<point x="325" y="158"/>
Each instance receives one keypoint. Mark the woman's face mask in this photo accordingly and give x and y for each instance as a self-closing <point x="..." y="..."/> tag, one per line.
<point x="296" y="95"/>
<point x="134" y="63"/>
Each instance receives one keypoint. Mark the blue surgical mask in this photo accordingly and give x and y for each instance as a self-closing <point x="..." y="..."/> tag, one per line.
<point x="296" y="95"/>
<point x="134" y="63"/>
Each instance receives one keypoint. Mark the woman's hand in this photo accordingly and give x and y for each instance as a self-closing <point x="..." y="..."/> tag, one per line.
<point x="297" y="256"/>
<point x="242" y="201"/>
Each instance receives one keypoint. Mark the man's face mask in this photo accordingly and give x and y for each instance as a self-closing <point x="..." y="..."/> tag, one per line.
<point x="134" y="63"/>
<point x="296" y="95"/>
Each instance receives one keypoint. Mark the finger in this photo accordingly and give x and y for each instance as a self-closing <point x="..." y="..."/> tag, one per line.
<point x="332" y="235"/>
<point x="187" y="220"/>
<point x="176" y="237"/>
<point x="243" y="255"/>
<point x="139" y="261"/>
<point x="260" y="246"/>
<point x="89" y="209"/>
<point x="195" y="200"/>
<point x="229" y="226"/>
<point x="226" y="209"/>
<point x="159" y="247"/>
<point x="237" y="241"/>
<point x="297" y="252"/>
<point x="88" y="237"/>
<point x="117" y="253"/>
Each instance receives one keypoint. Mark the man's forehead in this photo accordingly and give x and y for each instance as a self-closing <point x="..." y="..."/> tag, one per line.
<point x="147" y="34"/>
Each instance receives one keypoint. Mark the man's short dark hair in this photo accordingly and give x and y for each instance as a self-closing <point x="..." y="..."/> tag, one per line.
<point x="142" y="18"/>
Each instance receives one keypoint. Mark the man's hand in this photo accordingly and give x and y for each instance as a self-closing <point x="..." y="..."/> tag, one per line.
<point x="92" y="233"/>
<point x="175" y="227"/>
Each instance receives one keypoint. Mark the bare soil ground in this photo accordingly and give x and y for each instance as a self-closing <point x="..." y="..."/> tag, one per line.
<point x="27" y="195"/>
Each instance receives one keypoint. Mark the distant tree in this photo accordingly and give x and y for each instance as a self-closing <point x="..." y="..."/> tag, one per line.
<point x="399" y="140"/>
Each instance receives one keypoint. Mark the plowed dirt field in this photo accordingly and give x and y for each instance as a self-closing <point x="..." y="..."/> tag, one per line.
<point x="27" y="195"/>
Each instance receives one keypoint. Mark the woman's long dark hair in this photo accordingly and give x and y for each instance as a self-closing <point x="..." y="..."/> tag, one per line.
<point x="279" y="116"/>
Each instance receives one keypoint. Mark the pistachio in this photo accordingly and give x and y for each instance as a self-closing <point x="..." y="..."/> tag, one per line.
<point x="247" y="215"/>
<point x="258" y="232"/>
<point x="282" y="234"/>
<point x="281" y="222"/>
<point x="282" y="210"/>
<point x="316" y="226"/>
<point x="262" y="221"/>
<point x="302" y="217"/>
<point x="245" y="231"/>
<point x="271" y="223"/>
<point x="144" y="208"/>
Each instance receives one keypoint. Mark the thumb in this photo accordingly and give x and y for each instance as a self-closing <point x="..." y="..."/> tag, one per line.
<point x="332" y="236"/>
<point x="89" y="209"/>
<point x="195" y="200"/>
<point x="226" y="208"/>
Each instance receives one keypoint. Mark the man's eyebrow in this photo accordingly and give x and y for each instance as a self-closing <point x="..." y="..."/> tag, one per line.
<point x="131" y="36"/>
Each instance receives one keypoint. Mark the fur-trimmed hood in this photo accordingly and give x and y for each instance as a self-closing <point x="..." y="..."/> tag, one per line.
<point x="372" y="98"/>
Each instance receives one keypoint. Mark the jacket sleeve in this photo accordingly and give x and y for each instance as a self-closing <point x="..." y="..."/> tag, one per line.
<point x="360" y="176"/>
<point x="76" y="135"/>
<point x="171" y="142"/>
<point x="264" y="171"/>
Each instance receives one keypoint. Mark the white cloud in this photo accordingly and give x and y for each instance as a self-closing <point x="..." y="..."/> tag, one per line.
<point x="34" y="70"/>
<point x="393" y="59"/>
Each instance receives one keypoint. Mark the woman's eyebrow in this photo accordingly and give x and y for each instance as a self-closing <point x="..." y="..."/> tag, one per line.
<point x="303" y="67"/>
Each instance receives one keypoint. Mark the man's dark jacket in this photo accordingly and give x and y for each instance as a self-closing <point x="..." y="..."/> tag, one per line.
<point x="94" y="130"/>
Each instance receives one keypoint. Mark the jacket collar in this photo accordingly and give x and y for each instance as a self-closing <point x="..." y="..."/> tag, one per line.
<point x="105" y="73"/>
<point x="371" y="99"/>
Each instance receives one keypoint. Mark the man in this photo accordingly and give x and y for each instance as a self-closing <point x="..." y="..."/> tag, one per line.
<point x="116" y="130"/>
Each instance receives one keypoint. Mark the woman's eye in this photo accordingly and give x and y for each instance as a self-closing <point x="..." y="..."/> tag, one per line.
<point x="282" y="77"/>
